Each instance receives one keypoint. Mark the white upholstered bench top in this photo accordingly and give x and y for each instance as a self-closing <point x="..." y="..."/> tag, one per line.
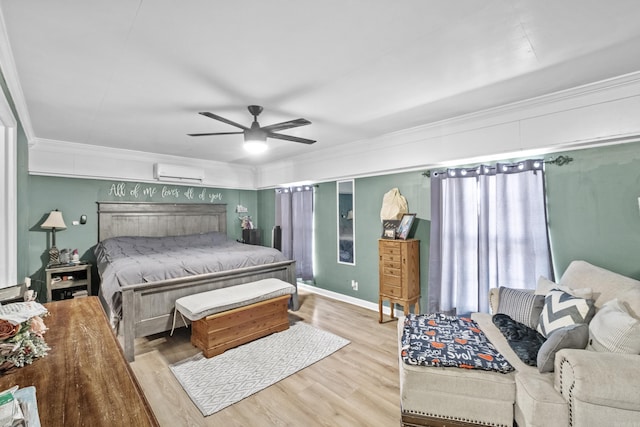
<point x="197" y="306"/>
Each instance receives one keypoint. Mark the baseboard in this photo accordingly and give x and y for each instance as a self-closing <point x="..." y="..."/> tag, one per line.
<point x="346" y="298"/>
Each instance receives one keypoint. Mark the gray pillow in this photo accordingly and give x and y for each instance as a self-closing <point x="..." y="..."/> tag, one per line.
<point x="572" y="336"/>
<point x="521" y="305"/>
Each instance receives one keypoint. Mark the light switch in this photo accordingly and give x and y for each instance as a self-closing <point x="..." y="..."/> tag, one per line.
<point x="638" y="204"/>
<point x="75" y="222"/>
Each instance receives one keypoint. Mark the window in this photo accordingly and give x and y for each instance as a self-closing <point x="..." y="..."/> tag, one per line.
<point x="488" y="229"/>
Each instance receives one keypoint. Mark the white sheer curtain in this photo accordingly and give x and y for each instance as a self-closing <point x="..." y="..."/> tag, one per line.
<point x="294" y="215"/>
<point x="488" y="229"/>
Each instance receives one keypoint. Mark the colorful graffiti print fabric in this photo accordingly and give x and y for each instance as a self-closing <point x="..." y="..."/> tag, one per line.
<point x="449" y="341"/>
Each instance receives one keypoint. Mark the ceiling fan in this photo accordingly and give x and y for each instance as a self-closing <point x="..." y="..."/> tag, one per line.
<point x="255" y="137"/>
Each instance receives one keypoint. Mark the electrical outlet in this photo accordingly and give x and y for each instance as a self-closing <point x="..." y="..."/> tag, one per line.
<point x="354" y="285"/>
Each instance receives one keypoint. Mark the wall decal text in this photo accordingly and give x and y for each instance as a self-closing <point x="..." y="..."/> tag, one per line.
<point x="123" y="190"/>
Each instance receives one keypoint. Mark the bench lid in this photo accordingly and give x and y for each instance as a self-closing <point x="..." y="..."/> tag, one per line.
<point x="197" y="306"/>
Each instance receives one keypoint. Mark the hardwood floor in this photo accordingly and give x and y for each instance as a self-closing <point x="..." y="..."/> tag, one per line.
<point x="356" y="386"/>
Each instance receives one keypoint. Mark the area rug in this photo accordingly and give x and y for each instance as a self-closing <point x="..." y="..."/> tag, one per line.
<point x="220" y="381"/>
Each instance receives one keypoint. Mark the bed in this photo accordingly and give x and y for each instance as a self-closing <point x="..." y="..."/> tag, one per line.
<point x="142" y="303"/>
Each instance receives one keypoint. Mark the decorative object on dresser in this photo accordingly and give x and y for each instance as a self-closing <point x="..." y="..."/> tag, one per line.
<point x="399" y="274"/>
<point x="54" y="222"/>
<point x="21" y="334"/>
<point x="404" y="228"/>
<point x="394" y="205"/>
<point x="69" y="280"/>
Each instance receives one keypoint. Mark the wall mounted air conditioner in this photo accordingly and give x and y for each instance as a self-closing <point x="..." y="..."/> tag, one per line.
<point x="177" y="173"/>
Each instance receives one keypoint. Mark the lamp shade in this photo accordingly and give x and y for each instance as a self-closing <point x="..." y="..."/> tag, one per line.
<point x="54" y="220"/>
<point x="255" y="141"/>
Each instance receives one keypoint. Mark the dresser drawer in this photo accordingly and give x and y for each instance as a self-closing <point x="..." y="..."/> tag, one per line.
<point x="393" y="291"/>
<point x="391" y="258"/>
<point x="392" y="270"/>
<point x="391" y="280"/>
<point x="391" y="250"/>
<point x="391" y="264"/>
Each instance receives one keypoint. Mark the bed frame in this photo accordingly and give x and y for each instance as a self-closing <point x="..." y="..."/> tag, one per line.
<point x="148" y="308"/>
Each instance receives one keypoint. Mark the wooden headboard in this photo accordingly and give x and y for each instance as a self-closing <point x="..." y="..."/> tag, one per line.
<point x="159" y="219"/>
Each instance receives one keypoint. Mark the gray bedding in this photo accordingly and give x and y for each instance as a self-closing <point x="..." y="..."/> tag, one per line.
<point x="132" y="260"/>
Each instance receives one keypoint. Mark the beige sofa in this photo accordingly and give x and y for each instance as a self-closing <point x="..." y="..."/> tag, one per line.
<point x="587" y="388"/>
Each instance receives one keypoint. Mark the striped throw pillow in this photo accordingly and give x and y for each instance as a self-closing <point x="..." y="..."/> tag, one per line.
<point x="521" y="305"/>
<point x="614" y="330"/>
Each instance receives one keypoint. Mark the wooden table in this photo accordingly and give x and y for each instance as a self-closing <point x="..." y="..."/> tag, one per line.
<point x="84" y="380"/>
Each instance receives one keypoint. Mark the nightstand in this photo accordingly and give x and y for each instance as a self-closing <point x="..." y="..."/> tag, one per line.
<point x="73" y="277"/>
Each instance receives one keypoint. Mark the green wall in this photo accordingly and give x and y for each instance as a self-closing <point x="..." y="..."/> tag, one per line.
<point x="593" y="209"/>
<point x="331" y="275"/>
<point x="267" y="210"/>
<point x="76" y="197"/>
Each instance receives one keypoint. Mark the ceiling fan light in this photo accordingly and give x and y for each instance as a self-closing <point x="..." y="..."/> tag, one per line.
<point x="255" y="146"/>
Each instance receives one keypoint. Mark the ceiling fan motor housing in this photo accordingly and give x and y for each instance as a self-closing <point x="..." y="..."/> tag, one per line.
<point x="255" y="110"/>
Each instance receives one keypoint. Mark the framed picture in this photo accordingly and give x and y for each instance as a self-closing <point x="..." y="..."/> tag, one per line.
<point x="389" y="233"/>
<point x="405" y="226"/>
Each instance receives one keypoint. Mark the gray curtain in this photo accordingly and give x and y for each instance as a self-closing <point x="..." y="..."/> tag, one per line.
<point x="488" y="229"/>
<point x="294" y="215"/>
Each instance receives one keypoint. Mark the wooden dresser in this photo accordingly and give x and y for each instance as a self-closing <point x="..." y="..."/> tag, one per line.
<point x="399" y="274"/>
<point x="84" y="380"/>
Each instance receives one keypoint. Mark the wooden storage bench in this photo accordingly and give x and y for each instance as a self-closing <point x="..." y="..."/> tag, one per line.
<point x="228" y="317"/>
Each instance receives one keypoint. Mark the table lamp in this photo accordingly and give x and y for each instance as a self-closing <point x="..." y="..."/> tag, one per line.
<point x="54" y="221"/>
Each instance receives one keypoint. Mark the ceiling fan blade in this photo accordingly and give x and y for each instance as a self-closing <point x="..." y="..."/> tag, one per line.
<point x="214" y="133"/>
<point x="222" y="119"/>
<point x="289" y="138"/>
<point x="286" y="125"/>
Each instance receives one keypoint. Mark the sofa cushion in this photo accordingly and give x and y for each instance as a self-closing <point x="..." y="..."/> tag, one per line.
<point x="544" y="286"/>
<point x="606" y="284"/>
<point x="562" y="309"/>
<point x="572" y="336"/>
<point x="521" y="305"/>
<point x="614" y="330"/>
<point x="537" y="402"/>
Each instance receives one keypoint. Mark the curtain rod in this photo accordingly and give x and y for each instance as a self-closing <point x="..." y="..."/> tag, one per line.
<point x="558" y="161"/>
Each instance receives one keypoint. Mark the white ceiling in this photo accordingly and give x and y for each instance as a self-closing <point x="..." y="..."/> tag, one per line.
<point x="133" y="74"/>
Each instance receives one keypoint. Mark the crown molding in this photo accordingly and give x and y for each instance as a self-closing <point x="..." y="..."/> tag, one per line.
<point x="73" y="160"/>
